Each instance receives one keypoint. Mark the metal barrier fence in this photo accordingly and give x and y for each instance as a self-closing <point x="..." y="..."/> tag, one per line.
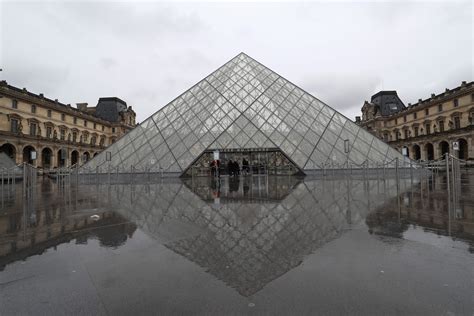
<point x="453" y="181"/>
<point x="25" y="176"/>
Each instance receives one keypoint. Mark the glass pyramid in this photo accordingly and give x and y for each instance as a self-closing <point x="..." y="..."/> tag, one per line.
<point x="245" y="105"/>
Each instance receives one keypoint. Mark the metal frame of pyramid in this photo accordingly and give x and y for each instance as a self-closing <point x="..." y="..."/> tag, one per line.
<point x="245" y="105"/>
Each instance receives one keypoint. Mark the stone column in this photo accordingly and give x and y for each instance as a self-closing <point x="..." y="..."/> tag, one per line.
<point x="470" y="147"/>
<point x="436" y="150"/>
<point x="54" y="157"/>
<point x="18" y="155"/>
<point x="39" y="158"/>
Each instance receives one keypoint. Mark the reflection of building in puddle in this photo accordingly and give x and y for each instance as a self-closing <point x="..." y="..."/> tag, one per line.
<point x="426" y="207"/>
<point x="247" y="245"/>
<point x="51" y="219"/>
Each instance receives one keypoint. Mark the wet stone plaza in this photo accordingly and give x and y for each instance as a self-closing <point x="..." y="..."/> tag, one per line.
<point x="257" y="244"/>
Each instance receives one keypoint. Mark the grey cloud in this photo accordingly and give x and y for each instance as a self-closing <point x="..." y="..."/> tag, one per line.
<point x="108" y="62"/>
<point x="342" y="91"/>
<point x="148" y="53"/>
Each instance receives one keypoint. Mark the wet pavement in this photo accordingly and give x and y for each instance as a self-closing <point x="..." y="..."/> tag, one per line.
<point x="258" y="245"/>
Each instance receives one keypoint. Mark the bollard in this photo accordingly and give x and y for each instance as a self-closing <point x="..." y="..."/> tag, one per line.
<point x="396" y="173"/>
<point x="448" y="186"/>
<point x="453" y="187"/>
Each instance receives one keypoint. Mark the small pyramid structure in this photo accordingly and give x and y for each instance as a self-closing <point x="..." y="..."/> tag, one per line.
<point x="245" y="105"/>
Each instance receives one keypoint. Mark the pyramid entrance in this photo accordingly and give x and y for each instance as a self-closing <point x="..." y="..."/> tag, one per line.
<point x="250" y="161"/>
<point x="247" y="106"/>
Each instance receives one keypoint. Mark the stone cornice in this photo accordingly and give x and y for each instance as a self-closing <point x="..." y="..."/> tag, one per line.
<point x="448" y="133"/>
<point x="28" y="97"/>
<point x="443" y="97"/>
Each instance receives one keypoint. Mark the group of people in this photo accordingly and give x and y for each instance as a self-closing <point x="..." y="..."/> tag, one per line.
<point x="233" y="168"/>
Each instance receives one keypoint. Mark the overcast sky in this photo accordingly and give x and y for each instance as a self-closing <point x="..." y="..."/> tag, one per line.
<point x="148" y="53"/>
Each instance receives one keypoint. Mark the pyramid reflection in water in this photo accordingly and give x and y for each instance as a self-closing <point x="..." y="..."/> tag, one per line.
<point x="244" y="106"/>
<point x="250" y="232"/>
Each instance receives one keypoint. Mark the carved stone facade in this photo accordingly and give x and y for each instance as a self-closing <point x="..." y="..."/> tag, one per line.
<point x="57" y="134"/>
<point x="429" y="128"/>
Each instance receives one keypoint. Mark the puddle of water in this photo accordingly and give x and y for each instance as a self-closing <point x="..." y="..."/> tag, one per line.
<point x="248" y="233"/>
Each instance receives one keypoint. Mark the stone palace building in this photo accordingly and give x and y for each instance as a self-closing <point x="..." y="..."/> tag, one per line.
<point x="50" y="134"/>
<point x="428" y="129"/>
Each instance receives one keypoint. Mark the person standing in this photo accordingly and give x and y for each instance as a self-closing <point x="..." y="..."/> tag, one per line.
<point x="230" y="167"/>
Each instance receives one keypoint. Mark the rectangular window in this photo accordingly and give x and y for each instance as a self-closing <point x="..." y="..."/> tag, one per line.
<point x="33" y="108"/>
<point x="415" y="129"/>
<point x="427" y="112"/>
<point x="49" y="132"/>
<point x="63" y="134"/>
<point x="113" y="129"/>
<point x="405" y="119"/>
<point x="406" y="134"/>
<point x="33" y="129"/>
<point x="63" y="117"/>
<point x="95" y="125"/>
<point x="85" y="123"/>
<point x="441" y="126"/>
<point x="74" y="136"/>
<point x="103" y="128"/>
<point x="14" y="126"/>
<point x="472" y="97"/>
<point x="414" y="116"/>
<point x="456" y="102"/>
<point x="457" y="122"/>
<point x="428" y="129"/>
<point x="49" y="113"/>
<point x="440" y="108"/>
<point x="14" y="104"/>
<point x="396" y="121"/>
<point x="75" y="120"/>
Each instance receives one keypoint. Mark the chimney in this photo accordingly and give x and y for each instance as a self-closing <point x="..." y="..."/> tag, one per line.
<point x="420" y="100"/>
<point x="357" y="119"/>
<point x="41" y="95"/>
<point x="463" y="84"/>
<point x="82" y="106"/>
<point x="432" y="95"/>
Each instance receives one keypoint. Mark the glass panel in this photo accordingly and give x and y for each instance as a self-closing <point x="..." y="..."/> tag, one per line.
<point x="324" y="147"/>
<point x="306" y="147"/>
<point x="361" y="147"/>
<point x="260" y="109"/>
<point x="356" y="157"/>
<point x="312" y="137"/>
<point x="318" y="158"/>
<point x="365" y="136"/>
<point x="335" y="128"/>
<point x="299" y="158"/>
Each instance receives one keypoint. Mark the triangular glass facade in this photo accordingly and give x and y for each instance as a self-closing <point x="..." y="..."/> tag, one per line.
<point x="244" y="105"/>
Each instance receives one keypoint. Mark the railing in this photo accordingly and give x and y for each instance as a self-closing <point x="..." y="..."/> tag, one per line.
<point x="199" y="171"/>
<point x="30" y="174"/>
